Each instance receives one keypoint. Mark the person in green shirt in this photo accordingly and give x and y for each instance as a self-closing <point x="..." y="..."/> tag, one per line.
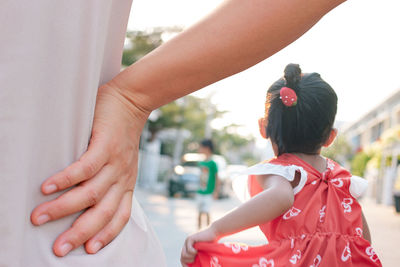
<point x="208" y="180"/>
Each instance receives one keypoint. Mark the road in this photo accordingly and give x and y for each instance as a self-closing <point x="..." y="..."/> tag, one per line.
<point x="174" y="218"/>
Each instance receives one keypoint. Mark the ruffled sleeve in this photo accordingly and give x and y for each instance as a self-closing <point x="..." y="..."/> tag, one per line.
<point x="358" y="186"/>
<point x="287" y="172"/>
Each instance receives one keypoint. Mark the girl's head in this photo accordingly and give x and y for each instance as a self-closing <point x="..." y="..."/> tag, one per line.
<point x="305" y="126"/>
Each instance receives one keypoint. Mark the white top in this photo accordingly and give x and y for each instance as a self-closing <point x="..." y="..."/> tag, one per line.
<point x="53" y="57"/>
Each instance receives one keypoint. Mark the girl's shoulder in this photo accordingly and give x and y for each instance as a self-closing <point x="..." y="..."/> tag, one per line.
<point x="276" y="167"/>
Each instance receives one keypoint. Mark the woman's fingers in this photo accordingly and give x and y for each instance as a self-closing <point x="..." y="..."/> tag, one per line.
<point x="89" y="223"/>
<point x="81" y="197"/>
<point x="114" y="227"/>
<point x="85" y="168"/>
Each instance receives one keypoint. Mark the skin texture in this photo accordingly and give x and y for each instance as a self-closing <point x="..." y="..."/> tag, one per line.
<point x="203" y="54"/>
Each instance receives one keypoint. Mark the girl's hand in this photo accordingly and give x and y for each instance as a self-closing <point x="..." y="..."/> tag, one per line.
<point x="101" y="181"/>
<point x="188" y="253"/>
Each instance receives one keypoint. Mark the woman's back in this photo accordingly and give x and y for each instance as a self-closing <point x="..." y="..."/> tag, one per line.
<point x="53" y="57"/>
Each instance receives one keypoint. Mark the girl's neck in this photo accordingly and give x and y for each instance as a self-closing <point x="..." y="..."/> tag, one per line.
<point x="316" y="160"/>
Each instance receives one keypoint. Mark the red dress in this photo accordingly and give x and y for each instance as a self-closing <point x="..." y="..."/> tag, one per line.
<point x="322" y="228"/>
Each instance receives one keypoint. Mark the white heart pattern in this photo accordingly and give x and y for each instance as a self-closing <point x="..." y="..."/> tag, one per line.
<point x="338" y="182"/>
<point x="317" y="261"/>
<point x="292" y="212"/>
<point x="263" y="262"/>
<point x="371" y="253"/>
<point x="346" y="254"/>
<point x="322" y="213"/>
<point x="295" y="257"/>
<point x="236" y="247"/>
<point x="346" y="204"/>
<point x="359" y="231"/>
<point x="292" y="242"/>
<point x="214" y="262"/>
<point x="330" y="165"/>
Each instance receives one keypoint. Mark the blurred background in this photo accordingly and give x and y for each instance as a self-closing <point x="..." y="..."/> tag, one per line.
<point x="355" y="48"/>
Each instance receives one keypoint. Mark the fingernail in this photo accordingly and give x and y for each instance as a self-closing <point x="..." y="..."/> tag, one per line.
<point x="65" y="248"/>
<point x="43" y="219"/>
<point x="50" y="188"/>
<point x="96" y="247"/>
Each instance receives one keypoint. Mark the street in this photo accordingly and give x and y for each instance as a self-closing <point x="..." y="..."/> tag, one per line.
<point x="174" y="218"/>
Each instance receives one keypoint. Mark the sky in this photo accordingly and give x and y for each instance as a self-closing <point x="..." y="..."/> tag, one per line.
<point x="355" y="48"/>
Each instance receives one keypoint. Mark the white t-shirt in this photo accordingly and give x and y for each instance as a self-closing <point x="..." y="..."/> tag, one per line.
<point x="53" y="57"/>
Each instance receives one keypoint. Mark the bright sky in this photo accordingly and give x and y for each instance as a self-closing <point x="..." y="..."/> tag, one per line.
<point x="355" y="48"/>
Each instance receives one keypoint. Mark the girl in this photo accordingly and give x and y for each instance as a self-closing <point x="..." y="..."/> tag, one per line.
<point x="304" y="203"/>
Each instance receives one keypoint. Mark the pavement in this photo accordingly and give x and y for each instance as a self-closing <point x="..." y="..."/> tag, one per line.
<point x="174" y="218"/>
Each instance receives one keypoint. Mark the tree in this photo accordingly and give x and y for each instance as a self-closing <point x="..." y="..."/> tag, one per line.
<point x="340" y="151"/>
<point x="143" y="42"/>
<point x="359" y="163"/>
<point x="236" y="148"/>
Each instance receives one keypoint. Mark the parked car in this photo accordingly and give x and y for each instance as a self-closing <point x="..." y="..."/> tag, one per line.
<point x="186" y="176"/>
<point x="185" y="179"/>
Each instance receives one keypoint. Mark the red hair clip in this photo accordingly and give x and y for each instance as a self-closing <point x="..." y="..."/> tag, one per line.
<point x="288" y="96"/>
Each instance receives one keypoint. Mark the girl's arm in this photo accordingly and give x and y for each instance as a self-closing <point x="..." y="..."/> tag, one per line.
<point x="277" y="198"/>
<point x="273" y="201"/>
<point x="366" y="233"/>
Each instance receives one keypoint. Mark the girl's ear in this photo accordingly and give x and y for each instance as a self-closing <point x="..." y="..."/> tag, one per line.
<point x="261" y="126"/>
<point x="331" y="138"/>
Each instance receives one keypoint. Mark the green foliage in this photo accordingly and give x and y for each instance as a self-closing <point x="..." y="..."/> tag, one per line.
<point x="227" y="138"/>
<point x="339" y="151"/>
<point x="230" y="142"/>
<point x="188" y="113"/>
<point x="359" y="163"/>
<point x="143" y="42"/>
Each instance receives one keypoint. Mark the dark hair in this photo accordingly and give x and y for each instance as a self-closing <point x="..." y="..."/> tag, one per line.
<point x="306" y="126"/>
<point x="207" y="143"/>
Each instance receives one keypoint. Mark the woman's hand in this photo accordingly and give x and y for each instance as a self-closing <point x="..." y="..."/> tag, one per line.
<point x="101" y="181"/>
<point x="189" y="253"/>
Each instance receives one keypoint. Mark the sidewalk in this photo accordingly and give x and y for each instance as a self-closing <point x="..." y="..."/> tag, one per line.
<point x="384" y="225"/>
<point x="173" y="219"/>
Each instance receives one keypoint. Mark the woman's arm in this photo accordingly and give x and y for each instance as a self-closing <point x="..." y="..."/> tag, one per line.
<point x="277" y="198"/>
<point x="236" y="36"/>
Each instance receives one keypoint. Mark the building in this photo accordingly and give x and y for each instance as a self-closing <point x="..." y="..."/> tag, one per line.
<point x="369" y="127"/>
<point x="379" y="123"/>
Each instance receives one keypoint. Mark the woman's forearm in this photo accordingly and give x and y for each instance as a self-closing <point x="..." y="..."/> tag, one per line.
<point x="234" y="37"/>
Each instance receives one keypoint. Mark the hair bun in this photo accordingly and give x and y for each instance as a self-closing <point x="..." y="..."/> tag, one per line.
<point x="292" y="75"/>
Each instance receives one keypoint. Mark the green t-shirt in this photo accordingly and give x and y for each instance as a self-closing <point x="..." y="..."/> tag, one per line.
<point x="212" y="174"/>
